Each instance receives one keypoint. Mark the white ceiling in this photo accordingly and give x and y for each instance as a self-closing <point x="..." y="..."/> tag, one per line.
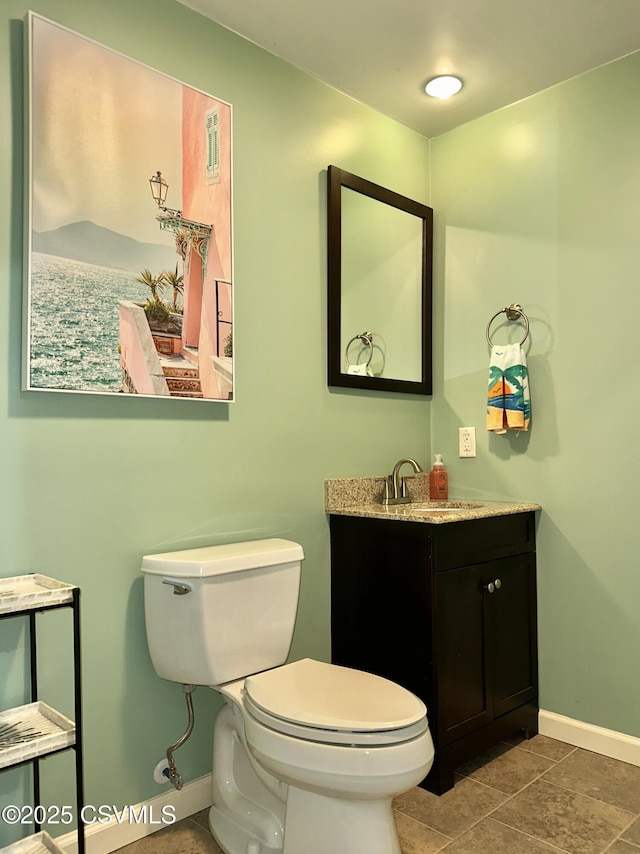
<point x="382" y="52"/>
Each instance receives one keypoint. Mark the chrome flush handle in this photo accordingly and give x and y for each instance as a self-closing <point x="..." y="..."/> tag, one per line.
<point x="179" y="589"/>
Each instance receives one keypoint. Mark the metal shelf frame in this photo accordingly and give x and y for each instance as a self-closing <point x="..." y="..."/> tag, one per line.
<point x="31" y="612"/>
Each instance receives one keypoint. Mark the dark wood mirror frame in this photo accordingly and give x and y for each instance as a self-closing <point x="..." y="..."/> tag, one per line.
<point x="337" y="179"/>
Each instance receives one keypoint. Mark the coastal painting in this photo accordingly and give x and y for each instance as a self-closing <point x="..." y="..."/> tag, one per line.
<point x="129" y="250"/>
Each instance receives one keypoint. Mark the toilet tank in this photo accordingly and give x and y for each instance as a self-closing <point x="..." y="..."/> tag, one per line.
<point x="220" y="613"/>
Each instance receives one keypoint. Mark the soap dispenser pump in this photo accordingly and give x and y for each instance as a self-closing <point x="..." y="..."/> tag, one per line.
<point x="438" y="481"/>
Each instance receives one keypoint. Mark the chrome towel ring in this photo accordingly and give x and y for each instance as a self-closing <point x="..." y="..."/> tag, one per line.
<point x="513" y="312"/>
<point x="367" y="340"/>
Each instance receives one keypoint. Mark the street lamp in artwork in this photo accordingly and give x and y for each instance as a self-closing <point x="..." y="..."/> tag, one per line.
<point x="159" y="189"/>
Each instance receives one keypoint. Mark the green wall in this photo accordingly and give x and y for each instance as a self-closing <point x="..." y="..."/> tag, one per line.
<point x="539" y="204"/>
<point x="90" y="484"/>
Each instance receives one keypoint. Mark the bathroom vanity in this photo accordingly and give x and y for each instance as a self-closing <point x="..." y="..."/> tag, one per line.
<point x="444" y="603"/>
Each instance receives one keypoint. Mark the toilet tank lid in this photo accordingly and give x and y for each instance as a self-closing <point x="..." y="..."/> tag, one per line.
<point x="218" y="560"/>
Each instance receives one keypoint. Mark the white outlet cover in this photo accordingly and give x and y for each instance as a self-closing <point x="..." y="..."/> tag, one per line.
<point x="466" y="441"/>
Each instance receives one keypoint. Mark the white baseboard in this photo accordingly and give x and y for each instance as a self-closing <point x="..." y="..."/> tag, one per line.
<point x="607" y="742"/>
<point x="105" y="838"/>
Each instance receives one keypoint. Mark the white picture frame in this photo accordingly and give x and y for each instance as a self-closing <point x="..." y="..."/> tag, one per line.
<point x="128" y="285"/>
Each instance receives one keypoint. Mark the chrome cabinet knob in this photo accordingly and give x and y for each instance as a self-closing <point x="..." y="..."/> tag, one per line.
<point x="492" y="586"/>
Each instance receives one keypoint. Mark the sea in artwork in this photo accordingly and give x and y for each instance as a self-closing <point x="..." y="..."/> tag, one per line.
<point x="75" y="323"/>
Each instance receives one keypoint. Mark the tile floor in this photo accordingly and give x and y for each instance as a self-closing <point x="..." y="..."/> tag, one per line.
<point x="526" y="797"/>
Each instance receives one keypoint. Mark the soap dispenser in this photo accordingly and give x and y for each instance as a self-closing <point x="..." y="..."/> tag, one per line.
<point x="438" y="481"/>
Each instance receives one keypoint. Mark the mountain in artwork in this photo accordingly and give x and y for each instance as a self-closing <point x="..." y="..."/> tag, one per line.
<point x="93" y="244"/>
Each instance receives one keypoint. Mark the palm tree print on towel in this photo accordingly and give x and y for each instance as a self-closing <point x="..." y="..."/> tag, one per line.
<point x="509" y="394"/>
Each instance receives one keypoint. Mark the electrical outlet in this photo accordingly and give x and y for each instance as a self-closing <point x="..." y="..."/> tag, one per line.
<point x="466" y="441"/>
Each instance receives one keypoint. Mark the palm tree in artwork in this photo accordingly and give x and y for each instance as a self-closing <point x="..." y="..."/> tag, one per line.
<point x="154" y="283"/>
<point x="174" y="281"/>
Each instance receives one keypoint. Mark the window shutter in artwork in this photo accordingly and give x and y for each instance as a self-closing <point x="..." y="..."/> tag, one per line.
<point x="213" y="145"/>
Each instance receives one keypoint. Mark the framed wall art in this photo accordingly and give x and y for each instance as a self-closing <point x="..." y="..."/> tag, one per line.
<point x="129" y="249"/>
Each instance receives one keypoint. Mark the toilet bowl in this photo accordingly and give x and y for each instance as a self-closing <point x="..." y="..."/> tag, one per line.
<point x="344" y="742"/>
<point x="307" y="755"/>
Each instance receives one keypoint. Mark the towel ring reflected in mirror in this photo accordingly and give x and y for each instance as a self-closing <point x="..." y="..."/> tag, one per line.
<point x="367" y="341"/>
<point x="513" y="312"/>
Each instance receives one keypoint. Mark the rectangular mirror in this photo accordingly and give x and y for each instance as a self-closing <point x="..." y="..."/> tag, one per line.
<point x="379" y="287"/>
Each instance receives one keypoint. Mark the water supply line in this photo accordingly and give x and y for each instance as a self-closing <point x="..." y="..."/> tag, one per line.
<point x="172" y="772"/>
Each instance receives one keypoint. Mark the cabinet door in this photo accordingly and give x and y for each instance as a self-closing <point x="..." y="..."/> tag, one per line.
<point x="486" y="643"/>
<point x="513" y="635"/>
<point x="381" y="601"/>
<point x="463" y="702"/>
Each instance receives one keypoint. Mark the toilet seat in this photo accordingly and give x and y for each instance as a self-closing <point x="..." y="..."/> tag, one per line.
<point x="316" y="701"/>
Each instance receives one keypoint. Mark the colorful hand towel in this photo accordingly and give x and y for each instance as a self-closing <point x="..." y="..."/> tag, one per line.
<point x="508" y="402"/>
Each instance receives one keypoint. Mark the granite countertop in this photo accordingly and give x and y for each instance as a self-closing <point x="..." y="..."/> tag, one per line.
<point x="363" y="497"/>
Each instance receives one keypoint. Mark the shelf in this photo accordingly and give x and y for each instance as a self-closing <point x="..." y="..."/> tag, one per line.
<point x="30" y="592"/>
<point x="27" y="732"/>
<point x="31" y="732"/>
<point x="39" y="843"/>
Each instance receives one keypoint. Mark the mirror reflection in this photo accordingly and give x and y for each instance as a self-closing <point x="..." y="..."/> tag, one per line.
<point x="379" y="287"/>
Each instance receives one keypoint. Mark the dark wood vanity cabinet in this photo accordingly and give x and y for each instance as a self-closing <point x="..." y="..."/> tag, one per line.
<point x="449" y="611"/>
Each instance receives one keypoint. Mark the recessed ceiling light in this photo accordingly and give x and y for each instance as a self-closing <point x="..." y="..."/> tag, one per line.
<point x="443" y="87"/>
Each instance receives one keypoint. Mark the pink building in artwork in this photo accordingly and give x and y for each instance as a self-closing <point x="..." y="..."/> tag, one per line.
<point x="196" y="360"/>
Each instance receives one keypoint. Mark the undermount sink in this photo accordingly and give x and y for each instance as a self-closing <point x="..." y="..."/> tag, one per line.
<point x="444" y="506"/>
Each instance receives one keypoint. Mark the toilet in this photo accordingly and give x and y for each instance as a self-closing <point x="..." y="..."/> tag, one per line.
<point x="307" y="756"/>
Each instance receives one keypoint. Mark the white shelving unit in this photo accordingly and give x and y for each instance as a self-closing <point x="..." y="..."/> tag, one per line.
<point x="35" y="730"/>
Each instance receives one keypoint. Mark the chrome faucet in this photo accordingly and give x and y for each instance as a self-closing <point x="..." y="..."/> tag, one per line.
<point x="395" y="487"/>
